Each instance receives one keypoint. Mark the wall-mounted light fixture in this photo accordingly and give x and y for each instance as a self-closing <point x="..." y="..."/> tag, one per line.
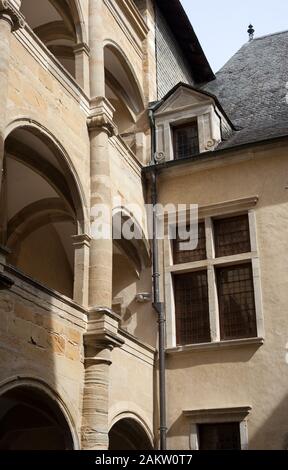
<point x="143" y="297"/>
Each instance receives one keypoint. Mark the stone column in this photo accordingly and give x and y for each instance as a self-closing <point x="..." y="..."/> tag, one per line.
<point x="101" y="127"/>
<point x="81" y="53"/>
<point x="10" y="20"/>
<point x="99" y="342"/>
<point x="102" y="327"/>
<point x="96" y="37"/>
<point x="101" y="250"/>
<point x="81" y="245"/>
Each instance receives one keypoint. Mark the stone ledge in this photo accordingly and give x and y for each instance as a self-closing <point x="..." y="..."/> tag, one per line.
<point x="237" y="413"/>
<point x="216" y="345"/>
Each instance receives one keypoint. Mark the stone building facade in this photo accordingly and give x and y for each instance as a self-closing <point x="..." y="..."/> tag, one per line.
<point x="79" y="346"/>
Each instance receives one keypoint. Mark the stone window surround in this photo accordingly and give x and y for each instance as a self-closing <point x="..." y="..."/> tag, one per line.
<point x="209" y="126"/>
<point x="217" y="415"/>
<point x="206" y="213"/>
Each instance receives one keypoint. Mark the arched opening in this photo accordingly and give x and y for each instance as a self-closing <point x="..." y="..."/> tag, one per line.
<point x="41" y="209"/>
<point x="31" y="420"/>
<point x="128" y="434"/>
<point x="58" y="25"/>
<point x="131" y="272"/>
<point x="123" y="91"/>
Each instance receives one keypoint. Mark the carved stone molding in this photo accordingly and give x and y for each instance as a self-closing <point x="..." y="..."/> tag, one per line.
<point x="101" y="116"/>
<point x="9" y="13"/>
<point x="81" y="240"/>
<point x="101" y="121"/>
<point x="81" y="47"/>
<point x="102" y="332"/>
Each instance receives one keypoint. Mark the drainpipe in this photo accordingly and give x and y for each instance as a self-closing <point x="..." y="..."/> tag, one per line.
<point x="157" y="304"/>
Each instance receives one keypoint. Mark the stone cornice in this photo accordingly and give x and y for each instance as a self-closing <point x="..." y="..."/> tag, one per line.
<point x="135" y="18"/>
<point x="9" y="13"/>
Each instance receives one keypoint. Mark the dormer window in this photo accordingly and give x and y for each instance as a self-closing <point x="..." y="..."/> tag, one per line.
<point x="189" y="122"/>
<point x="186" y="140"/>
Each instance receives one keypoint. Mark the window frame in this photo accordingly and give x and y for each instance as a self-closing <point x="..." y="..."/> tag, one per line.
<point x="218" y="416"/>
<point x="234" y="208"/>
<point x="188" y="124"/>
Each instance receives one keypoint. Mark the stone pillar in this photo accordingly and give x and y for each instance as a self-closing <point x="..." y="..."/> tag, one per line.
<point x="99" y="342"/>
<point x="10" y="20"/>
<point x="82" y="53"/>
<point x="102" y="327"/>
<point x="81" y="245"/>
<point x="101" y="250"/>
<point x="96" y="37"/>
<point x="101" y="127"/>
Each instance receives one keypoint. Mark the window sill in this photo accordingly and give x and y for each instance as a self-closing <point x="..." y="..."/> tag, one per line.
<point x="235" y="343"/>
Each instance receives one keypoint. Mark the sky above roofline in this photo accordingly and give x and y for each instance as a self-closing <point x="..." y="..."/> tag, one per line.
<point x="222" y="26"/>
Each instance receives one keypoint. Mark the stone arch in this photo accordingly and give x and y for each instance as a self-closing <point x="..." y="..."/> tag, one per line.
<point x="48" y="408"/>
<point x="128" y="67"/>
<point x="137" y="249"/>
<point x="39" y="220"/>
<point x="123" y="90"/>
<point x="79" y="199"/>
<point x="128" y="431"/>
<point x="60" y="26"/>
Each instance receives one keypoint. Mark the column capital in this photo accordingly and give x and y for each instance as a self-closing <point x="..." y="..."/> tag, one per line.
<point x="81" y="47"/>
<point x="81" y="240"/>
<point x="101" y="116"/>
<point x="102" y="334"/>
<point x="9" y="13"/>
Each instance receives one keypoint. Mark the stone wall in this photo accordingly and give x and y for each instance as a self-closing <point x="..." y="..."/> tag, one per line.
<point x="245" y="375"/>
<point x="42" y="340"/>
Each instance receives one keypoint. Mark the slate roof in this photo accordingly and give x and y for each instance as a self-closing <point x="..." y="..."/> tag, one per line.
<point x="252" y="90"/>
<point x="183" y="31"/>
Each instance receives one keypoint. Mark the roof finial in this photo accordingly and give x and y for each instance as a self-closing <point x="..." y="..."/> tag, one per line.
<point x="251" y="32"/>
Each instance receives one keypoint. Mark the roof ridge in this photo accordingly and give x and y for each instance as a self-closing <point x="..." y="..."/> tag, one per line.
<point x="271" y="34"/>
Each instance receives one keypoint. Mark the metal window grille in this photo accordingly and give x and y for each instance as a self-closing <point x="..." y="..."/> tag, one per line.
<point x="222" y="436"/>
<point x="232" y="236"/>
<point x="189" y="256"/>
<point x="192" y="308"/>
<point x="236" y="302"/>
<point x="186" y="141"/>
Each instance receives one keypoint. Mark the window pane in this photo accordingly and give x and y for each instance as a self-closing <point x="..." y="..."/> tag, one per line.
<point x="236" y="302"/>
<point x="232" y="236"/>
<point x="187" y="256"/>
<point x="223" y="436"/>
<point x="192" y="308"/>
<point x="186" y="141"/>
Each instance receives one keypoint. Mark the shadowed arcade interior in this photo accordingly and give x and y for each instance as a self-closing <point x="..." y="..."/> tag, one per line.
<point x="58" y="26"/>
<point x="30" y="420"/>
<point x="123" y="92"/>
<point x="127" y="434"/>
<point x="39" y="219"/>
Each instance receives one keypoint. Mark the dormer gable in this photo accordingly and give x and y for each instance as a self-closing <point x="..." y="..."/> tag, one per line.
<point x="187" y="114"/>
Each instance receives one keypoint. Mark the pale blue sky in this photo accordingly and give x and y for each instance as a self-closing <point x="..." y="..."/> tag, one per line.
<point x="221" y="25"/>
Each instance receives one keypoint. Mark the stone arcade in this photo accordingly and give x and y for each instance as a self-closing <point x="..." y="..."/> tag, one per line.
<point x="87" y="87"/>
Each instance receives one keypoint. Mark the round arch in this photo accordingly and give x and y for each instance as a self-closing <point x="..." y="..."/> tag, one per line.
<point x="136" y="102"/>
<point x="77" y="12"/>
<point x="128" y="431"/>
<point x="60" y="25"/>
<point x="137" y="249"/>
<point x="62" y="156"/>
<point x="40" y="219"/>
<point x="28" y="402"/>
